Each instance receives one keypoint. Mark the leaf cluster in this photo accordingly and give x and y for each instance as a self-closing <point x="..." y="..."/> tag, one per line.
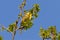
<point x="50" y="33"/>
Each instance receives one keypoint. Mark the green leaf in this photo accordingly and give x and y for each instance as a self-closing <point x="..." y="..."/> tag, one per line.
<point x="35" y="15"/>
<point x="36" y="7"/>
<point x="44" y="33"/>
<point x="12" y="26"/>
<point x="59" y="36"/>
<point x="27" y="24"/>
<point x="1" y="38"/>
<point x="52" y="29"/>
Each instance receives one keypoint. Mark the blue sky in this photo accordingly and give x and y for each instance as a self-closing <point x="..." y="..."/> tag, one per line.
<point x="48" y="15"/>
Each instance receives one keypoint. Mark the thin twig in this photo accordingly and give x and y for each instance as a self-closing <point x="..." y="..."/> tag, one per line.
<point x="5" y="28"/>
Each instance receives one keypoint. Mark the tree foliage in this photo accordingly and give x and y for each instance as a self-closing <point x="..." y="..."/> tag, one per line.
<point x="50" y="33"/>
<point x="25" y="19"/>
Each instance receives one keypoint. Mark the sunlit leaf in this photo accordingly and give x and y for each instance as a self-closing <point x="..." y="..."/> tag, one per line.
<point x="58" y="36"/>
<point x="52" y="29"/>
<point x="12" y="26"/>
<point x="36" y="7"/>
<point x="27" y="24"/>
<point x="42" y="32"/>
<point x="27" y="16"/>
<point x="41" y="29"/>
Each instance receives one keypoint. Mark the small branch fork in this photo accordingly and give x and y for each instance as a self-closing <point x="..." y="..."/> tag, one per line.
<point x="21" y="27"/>
<point x="14" y="32"/>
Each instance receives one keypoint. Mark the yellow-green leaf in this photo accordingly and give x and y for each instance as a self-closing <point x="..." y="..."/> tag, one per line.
<point x="1" y="38"/>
